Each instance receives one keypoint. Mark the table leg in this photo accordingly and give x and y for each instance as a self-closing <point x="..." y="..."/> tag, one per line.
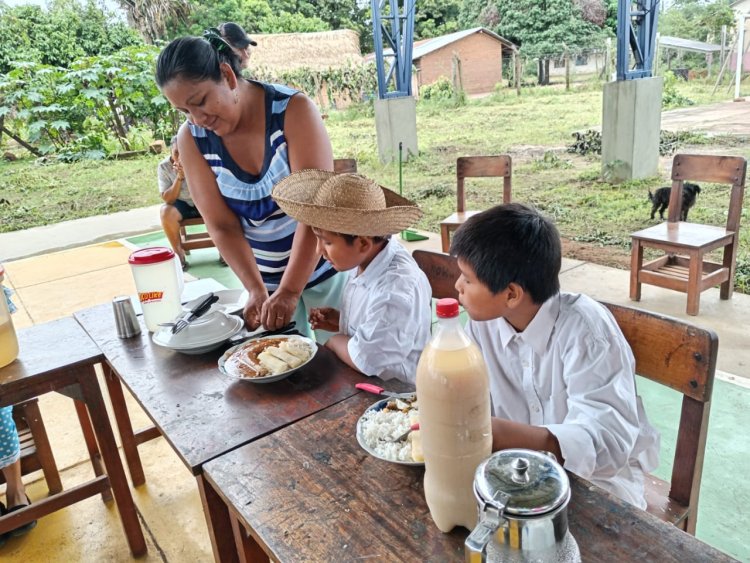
<point x="248" y="549"/>
<point x="219" y="523"/>
<point x="125" y="427"/>
<point x="106" y="438"/>
<point x="93" y="449"/>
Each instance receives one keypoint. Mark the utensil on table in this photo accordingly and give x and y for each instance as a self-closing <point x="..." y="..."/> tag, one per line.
<point x="200" y="309"/>
<point x="125" y="319"/>
<point x="288" y="329"/>
<point x="370" y="388"/>
<point x="402" y="437"/>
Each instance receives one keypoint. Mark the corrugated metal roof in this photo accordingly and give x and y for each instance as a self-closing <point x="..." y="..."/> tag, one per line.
<point x="425" y="46"/>
<point x="688" y="44"/>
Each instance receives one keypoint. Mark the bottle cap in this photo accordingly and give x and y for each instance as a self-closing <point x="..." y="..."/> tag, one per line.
<point x="447" y="308"/>
<point x="152" y="255"/>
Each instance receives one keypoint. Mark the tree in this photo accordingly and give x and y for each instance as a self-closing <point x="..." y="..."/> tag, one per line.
<point x="433" y="18"/>
<point x="696" y="19"/>
<point x="542" y="29"/>
<point x="152" y="17"/>
<point x="60" y="34"/>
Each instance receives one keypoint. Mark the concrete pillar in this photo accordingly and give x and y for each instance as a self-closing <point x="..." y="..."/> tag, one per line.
<point x="631" y="122"/>
<point x="396" y="121"/>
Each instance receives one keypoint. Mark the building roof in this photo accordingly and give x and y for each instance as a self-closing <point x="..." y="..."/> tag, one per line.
<point x="688" y="45"/>
<point x="317" y="50"/>
<point x="426" y="46"/>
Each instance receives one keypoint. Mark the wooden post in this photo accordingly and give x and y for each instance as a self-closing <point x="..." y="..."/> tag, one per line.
<point x="723" y="45"/>
<point x="458" y="83"/>
<point x="518" y="73"/>
<point x="567" y="71"/>
<point x="608" y="60"/>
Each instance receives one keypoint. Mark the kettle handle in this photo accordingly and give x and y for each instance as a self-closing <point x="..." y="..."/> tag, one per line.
<point x="475" y="546"/>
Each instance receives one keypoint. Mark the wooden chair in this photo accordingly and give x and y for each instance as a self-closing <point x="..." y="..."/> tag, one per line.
<point x="190" y="241"/>
<point x="441" y="271"/>
<point x="474" y="167"/>
<point x="681" y="356"/>
<point x="684" y="267"/>
<point x="36" y="452"/>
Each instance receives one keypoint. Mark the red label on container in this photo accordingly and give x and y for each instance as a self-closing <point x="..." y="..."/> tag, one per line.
<point x="150" y="296"/>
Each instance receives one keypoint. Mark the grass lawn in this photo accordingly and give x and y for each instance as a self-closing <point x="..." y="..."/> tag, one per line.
<point x="594" y="217"/>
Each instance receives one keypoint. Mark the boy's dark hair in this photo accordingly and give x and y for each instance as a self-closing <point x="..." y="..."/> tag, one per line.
<point x="512" y="243"/>
<point x="351" y="238"/>
<point x="195" y="58"/>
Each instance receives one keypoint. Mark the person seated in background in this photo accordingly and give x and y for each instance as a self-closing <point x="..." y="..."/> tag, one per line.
<point x="385" y="317"/>
<point x="10" y="465"/>
<point x="238" y="40"/>
<point x="562" y="375"/>
<point x="178" y="204"/>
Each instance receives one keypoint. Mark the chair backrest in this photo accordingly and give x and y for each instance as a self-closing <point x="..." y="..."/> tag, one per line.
<point x="482" y="167"/>
<point x="713" y="169"/>
<point x="344" y="165"/>
<point x="681" y="356"/>
<point x="441" y="271"/>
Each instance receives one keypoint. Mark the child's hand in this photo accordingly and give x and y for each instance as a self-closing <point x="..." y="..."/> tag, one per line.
<point x="325" y="318"/>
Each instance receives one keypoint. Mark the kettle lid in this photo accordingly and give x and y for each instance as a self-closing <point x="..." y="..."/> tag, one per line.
<point x="525" y="482"/>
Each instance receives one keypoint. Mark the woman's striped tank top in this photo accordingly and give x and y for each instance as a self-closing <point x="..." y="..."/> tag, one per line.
<point x="267" y="229"/>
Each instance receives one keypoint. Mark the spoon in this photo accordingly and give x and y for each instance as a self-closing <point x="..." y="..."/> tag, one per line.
<point x="403" y="436"/>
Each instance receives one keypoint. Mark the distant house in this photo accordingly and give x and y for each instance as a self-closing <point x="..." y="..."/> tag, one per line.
<point x="479" y="50"/>
<point x="742" y="8"/>
<point x="586" y="62"/>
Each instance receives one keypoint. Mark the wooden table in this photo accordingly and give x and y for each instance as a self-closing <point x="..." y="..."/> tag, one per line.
<point x="59" y="356"/>
<point x="202" y="413"/>
<point x="310" y="493"/>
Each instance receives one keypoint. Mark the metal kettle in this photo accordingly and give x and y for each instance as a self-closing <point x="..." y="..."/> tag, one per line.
<point x="523" y="510"/>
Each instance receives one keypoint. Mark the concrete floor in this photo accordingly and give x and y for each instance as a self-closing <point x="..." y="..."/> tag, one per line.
<point x="59" y="283"/>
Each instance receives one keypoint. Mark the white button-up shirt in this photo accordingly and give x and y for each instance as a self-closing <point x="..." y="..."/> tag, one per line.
<point x="572" y="371"/>
<point x="387" y="313"/>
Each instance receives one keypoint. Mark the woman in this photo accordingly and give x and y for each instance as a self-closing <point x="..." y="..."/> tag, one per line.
<point x="241" y="138"/>
<point x="10" y="465"/>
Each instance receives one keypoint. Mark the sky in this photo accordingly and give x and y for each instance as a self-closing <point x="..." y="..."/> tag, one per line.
<point x="110" y="4"/>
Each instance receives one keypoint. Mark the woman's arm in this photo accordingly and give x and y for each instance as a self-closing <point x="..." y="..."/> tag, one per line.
<point x="223" y="225"/>
<point x="309" y="147"/>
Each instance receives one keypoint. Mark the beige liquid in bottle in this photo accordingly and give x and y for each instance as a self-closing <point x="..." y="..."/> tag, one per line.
<point x="8" y="341"/>
<point x="455" y="426"/>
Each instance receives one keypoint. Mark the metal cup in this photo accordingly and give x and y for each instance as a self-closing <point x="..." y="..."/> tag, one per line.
<point x="125" y="319"/>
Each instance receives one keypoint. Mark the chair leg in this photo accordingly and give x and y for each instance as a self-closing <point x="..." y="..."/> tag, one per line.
<point x="730" y="262"/>
<point x="445" y="238"/>
<point x="33" y="417"/>
<point x="636" y="262"/>
<point x="695" y="272"/>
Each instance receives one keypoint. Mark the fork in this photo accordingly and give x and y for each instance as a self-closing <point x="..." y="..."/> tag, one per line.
<point x="403" y="436"/>
<point x="194" y="313"/>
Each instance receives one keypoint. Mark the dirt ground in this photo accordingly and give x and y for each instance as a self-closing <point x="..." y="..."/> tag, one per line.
<point x="603" y="255"/>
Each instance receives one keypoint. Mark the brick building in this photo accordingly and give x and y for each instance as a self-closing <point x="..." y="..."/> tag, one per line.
<point x="479" y="50"/>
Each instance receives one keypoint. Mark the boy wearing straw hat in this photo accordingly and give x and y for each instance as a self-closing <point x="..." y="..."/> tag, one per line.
<point x="385" y="316"/>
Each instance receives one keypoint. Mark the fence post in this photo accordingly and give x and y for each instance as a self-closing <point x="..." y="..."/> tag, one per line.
<point x="518" y="73"/>
<point x="567" y="70"/>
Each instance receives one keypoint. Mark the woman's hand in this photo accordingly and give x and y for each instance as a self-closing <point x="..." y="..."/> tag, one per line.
<point x="253" y="308"/>
<point x="325" y="318"/>
<point x="278" y="309"/>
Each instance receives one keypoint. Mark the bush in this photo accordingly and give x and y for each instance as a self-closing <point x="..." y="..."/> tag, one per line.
<point x="671" y="98"/>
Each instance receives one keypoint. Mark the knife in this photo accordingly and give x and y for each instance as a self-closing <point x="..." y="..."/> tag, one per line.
<point x="370" y="388"/>
<point x="197" y="311"/>
<point x="288" y="329"/>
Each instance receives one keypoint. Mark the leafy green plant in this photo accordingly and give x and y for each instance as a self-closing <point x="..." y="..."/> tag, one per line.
<point x="550" y="161"/>
<point x="671" y="98"/>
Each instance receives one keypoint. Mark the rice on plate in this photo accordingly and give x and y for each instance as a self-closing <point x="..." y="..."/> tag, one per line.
<point x="383" y="422"/>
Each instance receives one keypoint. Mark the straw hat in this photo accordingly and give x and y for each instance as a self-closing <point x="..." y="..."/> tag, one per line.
<point x="344" y="203"/>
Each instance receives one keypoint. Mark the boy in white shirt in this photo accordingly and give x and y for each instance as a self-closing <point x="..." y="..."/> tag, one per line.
<point x="561" y="372"/>
<point x="385" y="316"/>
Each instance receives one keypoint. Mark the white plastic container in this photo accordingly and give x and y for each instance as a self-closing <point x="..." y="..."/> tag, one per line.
<point x="8" y="339"/>
<point x="158" y="280"/>
<point x="454" y="419"/>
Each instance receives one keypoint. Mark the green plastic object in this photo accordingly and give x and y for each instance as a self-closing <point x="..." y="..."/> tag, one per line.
<point x="407" y="234"/>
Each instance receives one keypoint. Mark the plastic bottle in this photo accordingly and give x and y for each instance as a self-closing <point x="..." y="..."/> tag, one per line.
<point x="158" y="280"/>
<point x="8" y="338"/>
<point x="454" y="417"/>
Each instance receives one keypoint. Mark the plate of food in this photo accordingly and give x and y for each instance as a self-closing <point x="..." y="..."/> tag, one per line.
<point x="267" y="359"/>
<point x="386" y="420"/>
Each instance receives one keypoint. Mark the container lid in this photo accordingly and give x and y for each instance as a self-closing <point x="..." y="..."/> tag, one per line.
<point x="530" y="483"/>
<point x="446" y="308"/>
<point x="152" y="255"/>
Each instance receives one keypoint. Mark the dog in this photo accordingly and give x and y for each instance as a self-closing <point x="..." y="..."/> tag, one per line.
<point x="660" y="199"/>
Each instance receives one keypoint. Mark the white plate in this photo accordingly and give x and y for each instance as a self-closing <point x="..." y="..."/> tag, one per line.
<point x="268" y="378"/>
<point x="380" y="405"/>
<point x="200" y="336"/>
